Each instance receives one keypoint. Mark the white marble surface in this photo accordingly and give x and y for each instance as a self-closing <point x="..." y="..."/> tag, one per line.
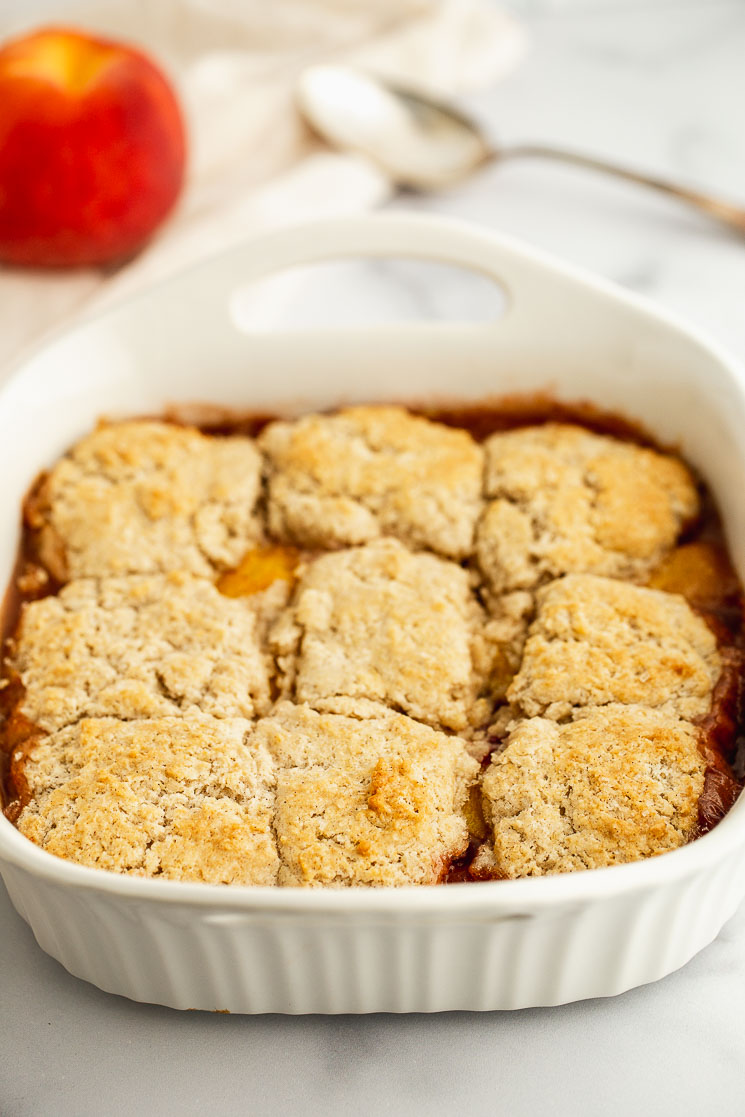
<point x="660" y="83"/>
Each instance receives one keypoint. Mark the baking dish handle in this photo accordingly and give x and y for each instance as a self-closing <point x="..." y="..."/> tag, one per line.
<point x="525" y="276"/>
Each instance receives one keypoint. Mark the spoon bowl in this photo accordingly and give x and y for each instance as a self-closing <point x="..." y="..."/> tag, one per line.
<point x="424" y="144"/>
<point x="421" y="143"/>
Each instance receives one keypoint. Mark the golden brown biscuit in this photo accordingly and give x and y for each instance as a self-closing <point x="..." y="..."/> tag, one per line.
<point x="376" y="801"/>
<point x="367" y="471"/>
<point x="562" y="500"/>
<point x="596" y="641"/>
<point x="616" y="785"/>
<point x="143" y="646"/>
<point x="148" y="497"/>
<point x="182" y="798"/>
<point x="379" y="624"/>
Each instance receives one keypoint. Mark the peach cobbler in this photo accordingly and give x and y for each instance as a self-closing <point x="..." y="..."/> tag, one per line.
<point x="370" y="647"/>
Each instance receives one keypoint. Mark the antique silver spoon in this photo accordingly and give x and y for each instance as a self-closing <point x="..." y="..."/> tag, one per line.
<point x="424" y="144"/>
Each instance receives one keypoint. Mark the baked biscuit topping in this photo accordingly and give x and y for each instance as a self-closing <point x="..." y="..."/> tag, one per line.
<point x="302" y="799"/>
<point x="184" y="798"/>
<point x="365" y="647"/>
<point x="596" y="641"/>
<point x="147" y="497"/>
<point x="342" y="479"/>
<point x="380" y="624"/>
<point x="616" y="785"/>
<point x="137" y="647"/>
<point x="365" y="801"/>
<point x="563" y="500"/>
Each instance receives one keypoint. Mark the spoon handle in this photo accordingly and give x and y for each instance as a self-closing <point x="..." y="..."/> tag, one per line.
<point x="722" y="211"/>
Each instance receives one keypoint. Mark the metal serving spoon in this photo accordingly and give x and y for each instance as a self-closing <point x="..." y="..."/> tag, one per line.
<point x="424" y="144"/>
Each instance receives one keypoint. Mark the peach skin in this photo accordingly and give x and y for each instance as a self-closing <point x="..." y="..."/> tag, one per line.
<point x="92" y="150"/>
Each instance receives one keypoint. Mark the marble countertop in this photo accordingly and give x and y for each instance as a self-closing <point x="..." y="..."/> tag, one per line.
<point x="660" y="84"/>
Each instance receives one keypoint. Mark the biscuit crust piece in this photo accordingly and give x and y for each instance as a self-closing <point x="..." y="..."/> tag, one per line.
<point x="616" y="785"/>
<point x="379" y="624"/>
<point x="147" y="497"/>
<point x="143" y="646"/>
<point x="347" y="478"/>
<point x="596" y="641"/>
<point x="563" y="499"/>
<point x="377" y="801"/>
<point x="182" y="798"/>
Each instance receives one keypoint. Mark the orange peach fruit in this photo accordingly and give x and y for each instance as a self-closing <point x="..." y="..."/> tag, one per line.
<point x="92" y="149"/>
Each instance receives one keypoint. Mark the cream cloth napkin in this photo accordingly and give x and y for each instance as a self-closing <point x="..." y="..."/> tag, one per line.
<point x="253" y="164"/>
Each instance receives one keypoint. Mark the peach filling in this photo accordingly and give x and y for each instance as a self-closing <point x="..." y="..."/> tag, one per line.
<point x="258" y="569"/>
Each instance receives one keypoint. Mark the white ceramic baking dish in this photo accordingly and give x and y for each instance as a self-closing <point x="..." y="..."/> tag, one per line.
<point x="471" y="946"/>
